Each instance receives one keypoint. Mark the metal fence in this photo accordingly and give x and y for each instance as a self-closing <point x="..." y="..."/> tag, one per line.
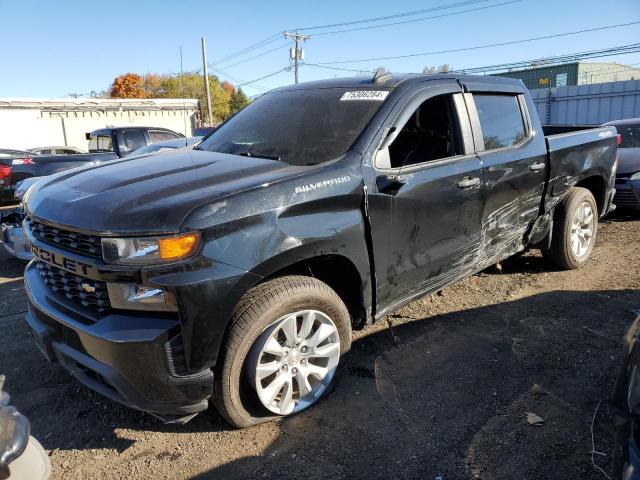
<point x="592" y="104"/>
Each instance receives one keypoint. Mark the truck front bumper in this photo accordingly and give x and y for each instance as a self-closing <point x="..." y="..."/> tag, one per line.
<point x="127" y="356"/>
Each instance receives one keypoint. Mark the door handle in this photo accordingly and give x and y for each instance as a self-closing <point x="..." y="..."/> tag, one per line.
<point x="536" y="167"/>
<point x="469" y="182"/>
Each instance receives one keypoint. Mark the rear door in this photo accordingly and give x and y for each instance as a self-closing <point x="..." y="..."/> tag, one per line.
<point x="514" y="157"/>
<point x="424" y="197"/>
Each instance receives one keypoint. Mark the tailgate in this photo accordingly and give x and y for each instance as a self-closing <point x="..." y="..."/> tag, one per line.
<point x="574" y="156"/>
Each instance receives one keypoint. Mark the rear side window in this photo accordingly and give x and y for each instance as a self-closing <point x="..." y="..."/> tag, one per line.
<point x="501" y="120"/>
<point x="156" y="136"/>
<point x="133" y="139"/>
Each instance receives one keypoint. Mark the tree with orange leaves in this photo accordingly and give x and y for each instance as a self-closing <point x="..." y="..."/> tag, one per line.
<point x="129" y="85"/>
<point x="227" y="87"/>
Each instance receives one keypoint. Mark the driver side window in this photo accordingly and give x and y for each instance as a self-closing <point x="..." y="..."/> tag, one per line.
<point x="429" y="134"/>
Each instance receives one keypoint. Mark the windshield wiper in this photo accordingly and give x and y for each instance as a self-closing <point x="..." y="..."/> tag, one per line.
<point x="259" y="155"/>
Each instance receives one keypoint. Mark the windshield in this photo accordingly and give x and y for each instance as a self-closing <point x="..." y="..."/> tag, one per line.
<point x="300" y="127"/>
<point x="630" y="136"/>
<point x="100" y="143"/>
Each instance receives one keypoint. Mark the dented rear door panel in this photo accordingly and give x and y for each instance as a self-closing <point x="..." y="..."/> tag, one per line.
<point x="514" y="178"/>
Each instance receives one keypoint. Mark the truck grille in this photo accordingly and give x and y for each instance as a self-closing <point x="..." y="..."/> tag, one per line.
<point x="73" y="241"/>
<point x="71" y="286"/>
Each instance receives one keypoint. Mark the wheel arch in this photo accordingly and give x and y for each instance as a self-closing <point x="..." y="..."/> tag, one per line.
<point x="598" y="188"/>
<point x="337" y="271"/>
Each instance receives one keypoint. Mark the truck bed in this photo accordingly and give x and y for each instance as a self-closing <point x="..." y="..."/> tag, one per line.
<point x="576" y="155"/>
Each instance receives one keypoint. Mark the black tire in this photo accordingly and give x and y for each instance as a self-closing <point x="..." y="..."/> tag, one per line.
<point x="561" y="254"/>
<point x="233" y="397"/>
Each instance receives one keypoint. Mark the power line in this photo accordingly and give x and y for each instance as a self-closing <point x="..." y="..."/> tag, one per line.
<point x="276" y="36"/>
<point x="279" y="47"/>
<point x="236" y="79"/>
<point x="478" y="47"/>
<point x="262" y="78"/>
<point x="397" y="15"/>
<point x="417" y="19"/>
<point x="560" y="59"/>
<point x="254" y="46"/>
<point x="552" y="61"/>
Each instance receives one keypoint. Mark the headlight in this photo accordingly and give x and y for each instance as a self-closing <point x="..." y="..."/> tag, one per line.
<point x="147" y="250"/>
<point x="635" y="176"/>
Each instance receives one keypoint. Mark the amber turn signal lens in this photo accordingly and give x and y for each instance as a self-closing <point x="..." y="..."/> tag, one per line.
<point x="175" y="248"/>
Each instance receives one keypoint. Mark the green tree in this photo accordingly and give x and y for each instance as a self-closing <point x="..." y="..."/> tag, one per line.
<point x="225" y="99"/>
<point x="238" y="101"/>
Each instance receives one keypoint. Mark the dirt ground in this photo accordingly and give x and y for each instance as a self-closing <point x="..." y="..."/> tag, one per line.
<point x="445" y="395"/>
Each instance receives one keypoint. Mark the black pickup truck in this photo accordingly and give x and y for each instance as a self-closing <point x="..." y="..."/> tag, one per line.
<point x="104" y="144"/>
<point x="235" y="273"/>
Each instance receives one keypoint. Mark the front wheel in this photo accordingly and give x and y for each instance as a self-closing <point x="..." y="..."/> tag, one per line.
<point x="575" y="226"/>
<point x="283" y="348"/>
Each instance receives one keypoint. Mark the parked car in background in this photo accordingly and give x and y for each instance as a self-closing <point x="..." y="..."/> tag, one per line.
<point x="7" y="155"/>
<point x="56" y="150"/>
<point x="628" y="177"/>
<point x="234" y="273"/>
<point x="204" y="131"/>
<point x="11" y="231"/>
<point x="168" y="146"/>
<point x="105" y="144"/>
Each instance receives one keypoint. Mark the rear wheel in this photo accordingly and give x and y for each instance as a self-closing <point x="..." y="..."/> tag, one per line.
<point x="283" y="347"/>
<point x="574" y="230"/>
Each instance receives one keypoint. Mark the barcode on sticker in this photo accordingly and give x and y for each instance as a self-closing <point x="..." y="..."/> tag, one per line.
<point x="376" y="95"/>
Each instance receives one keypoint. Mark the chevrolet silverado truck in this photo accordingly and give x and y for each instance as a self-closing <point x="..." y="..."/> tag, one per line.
<point x="105" y="144"/>
<point x="234" y="274"/>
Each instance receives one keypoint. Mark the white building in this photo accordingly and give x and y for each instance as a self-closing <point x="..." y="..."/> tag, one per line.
<point x="31" y="123"/>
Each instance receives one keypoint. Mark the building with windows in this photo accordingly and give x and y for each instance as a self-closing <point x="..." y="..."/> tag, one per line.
<point x="568" y="74"/>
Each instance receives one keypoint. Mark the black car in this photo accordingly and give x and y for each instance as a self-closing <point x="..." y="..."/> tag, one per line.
<point x="235" y="273"/>
<point x="628" y="176"/>
<point x="7" y="156"/>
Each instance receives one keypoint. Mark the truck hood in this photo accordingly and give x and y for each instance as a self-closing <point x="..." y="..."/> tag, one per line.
<point x="628" y="160"/>
<point x="150" y="194"/>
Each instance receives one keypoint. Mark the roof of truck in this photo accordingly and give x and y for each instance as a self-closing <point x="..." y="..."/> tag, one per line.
<point x="394" y="80"/>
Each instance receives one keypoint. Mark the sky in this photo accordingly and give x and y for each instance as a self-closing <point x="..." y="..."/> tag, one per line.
<point x="51" y="49"/>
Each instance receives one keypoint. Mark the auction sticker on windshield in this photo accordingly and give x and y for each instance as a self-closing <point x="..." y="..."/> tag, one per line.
<point x="375" y="95"/>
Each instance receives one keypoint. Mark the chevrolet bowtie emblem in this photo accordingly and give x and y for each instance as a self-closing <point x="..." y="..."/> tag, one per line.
<point x="87" y="287"/>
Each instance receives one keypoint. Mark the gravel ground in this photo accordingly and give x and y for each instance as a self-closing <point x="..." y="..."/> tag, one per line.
<point x="443" y="393"/>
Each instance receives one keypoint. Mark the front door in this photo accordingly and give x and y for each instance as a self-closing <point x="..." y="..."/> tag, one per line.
<point x="424" y="198"/>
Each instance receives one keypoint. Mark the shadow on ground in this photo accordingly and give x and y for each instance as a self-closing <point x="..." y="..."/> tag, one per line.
<point x="448" y="398"/>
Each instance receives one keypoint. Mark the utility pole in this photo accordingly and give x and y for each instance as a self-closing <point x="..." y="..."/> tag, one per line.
<point x="206" y="80"/>
<point x="181" y="76"/>
<point x="296" y="53"/>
